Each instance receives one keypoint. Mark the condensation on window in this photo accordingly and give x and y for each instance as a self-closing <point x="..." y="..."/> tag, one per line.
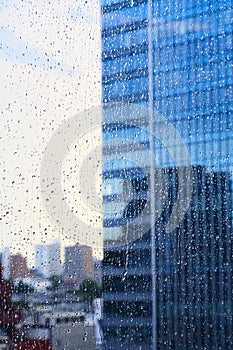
<point x="116" y="205"/>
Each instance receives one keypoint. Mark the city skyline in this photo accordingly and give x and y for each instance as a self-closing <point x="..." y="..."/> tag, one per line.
<point x="44" y="254"/>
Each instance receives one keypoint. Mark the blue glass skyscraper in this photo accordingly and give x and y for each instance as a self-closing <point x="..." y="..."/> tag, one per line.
<point x="192" y="68"/>
<point x="180" y="58"/>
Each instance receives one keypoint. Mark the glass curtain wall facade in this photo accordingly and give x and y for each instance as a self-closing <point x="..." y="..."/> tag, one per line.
<point x="190" y="63"/>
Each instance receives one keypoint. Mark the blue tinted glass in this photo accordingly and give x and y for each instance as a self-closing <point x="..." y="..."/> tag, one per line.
<point x="186" y="74"/>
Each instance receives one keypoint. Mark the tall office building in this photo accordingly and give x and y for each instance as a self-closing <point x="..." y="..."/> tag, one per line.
<point x="192" y="69"/>
<point x="176" y="56"/>
<point x="193" y="274"/>
<point x="48" y="259"/>
<point x="78" y="264"/>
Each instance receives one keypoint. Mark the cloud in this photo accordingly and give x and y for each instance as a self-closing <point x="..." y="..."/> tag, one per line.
<point x="55" y="37"/>
<point x="17" y="50"/>
<point x="82" y="14"/>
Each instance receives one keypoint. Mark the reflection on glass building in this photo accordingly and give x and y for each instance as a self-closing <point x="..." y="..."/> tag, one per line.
<point x="187" y="74"/>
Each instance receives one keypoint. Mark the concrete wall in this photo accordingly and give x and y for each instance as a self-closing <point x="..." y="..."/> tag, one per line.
<point x="73" y="336"/>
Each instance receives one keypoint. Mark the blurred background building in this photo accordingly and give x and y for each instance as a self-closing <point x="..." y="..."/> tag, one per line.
<point x="6" y="263"/>
<point x="48" y="259"/>
<point x="18" y="266"/>
<point x="78" y="264"/>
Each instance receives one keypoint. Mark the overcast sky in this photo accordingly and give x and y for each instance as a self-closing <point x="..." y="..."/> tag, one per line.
<point x="50" y="70"/>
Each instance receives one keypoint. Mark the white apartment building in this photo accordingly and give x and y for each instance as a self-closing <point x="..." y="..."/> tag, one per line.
<point x="48" y="259"/>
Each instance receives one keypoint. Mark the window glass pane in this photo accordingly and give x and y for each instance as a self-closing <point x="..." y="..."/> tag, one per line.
<point x="116" y="206"/>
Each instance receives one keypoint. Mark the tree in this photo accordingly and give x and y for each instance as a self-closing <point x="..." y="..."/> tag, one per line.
<point x="21" y="304"/>
<point x="89" y="290"/>
<point x="23" y="288"/>
<point x="56" y="281"/>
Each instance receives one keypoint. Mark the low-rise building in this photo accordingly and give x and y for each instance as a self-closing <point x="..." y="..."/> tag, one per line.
<point x="57" y="330"/>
